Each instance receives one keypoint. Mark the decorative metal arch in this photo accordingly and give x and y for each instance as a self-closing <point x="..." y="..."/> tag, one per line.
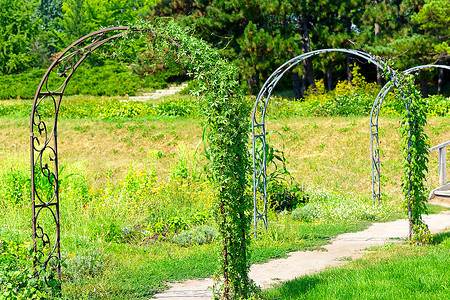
<point x="43" y="143"/>
<point x="374" y="137"/>
<point x="259" y="127"/>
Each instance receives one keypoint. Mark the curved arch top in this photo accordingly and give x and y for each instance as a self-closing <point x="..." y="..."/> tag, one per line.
<point x="374" y="137"/>
<point x="43" y="140"/>
<point x="259" y="131"/>
<point x="273" y="79"/>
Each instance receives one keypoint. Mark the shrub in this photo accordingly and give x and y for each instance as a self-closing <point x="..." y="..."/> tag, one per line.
<point x="422" y="235"/>
<point x="285" y="197"/>
<point x="180" y="108"/>
<point x="307" y="213"/>
<point x="17" y="275"/>
<point x="102" y="108"/>
<point x="15" y="185"/>
<point x="438" y="105"/>
<point x="108" y="80"/>
<point x="198" y="236"/>
<point x="345" y="100"/>
<point x="331" y="206"/>
<point x="84" y="263"/>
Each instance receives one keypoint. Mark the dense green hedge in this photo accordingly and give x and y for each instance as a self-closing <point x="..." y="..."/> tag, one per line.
<point x="108" y="80"/>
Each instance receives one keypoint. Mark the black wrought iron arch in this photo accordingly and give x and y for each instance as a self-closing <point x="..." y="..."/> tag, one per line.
<point x="259" y="128"/>
<point x="43" y="142"/>
<point x="374" y="137"/>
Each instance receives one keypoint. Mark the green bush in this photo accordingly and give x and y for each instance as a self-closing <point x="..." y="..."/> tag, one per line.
<point x="17" y="275"/>
<point x="102" y="108"/>
<point x="438" y="105"/>
<point x="346" y="100"/>
<point x="108" y="80"/>
<point x="358" y="103"/>
<point x="285" y="197"/>
<point x="180" y="108"/>
<point x="198" y="236"/>
<point x="422" y="235"/>
<point x="21" y="85"/>
<point x="332" y="206"/>
<point x="307" y="213"/>
<point x="15" y="185"/>
<point x="84" y="263"/>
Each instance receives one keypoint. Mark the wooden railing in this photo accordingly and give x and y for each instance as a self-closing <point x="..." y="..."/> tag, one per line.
<point x="442" y="162"/>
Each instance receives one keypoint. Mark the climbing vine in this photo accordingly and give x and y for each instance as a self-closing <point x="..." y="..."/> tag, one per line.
<point x="226" y="120"/>
<point x="415" y="148"/>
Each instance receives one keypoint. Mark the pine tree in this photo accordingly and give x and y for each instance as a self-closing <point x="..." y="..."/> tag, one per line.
<point x="18" y="31"/>
<point x="434" y="26"/>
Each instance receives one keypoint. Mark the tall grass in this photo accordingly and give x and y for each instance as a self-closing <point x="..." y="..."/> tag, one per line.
<point x="126" y="229"/>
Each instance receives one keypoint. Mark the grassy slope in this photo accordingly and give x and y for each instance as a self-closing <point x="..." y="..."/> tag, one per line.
<point x="108" y="145"/>
<point x="332" y="153"/>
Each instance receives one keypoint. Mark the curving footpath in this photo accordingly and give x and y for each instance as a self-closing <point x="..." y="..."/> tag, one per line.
<point x="343" y="248"/>
<point x="172" y="90"/>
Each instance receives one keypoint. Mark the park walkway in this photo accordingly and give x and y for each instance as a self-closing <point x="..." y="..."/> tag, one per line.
<point x="170" y="91"/>
<point x="343" y="248"/>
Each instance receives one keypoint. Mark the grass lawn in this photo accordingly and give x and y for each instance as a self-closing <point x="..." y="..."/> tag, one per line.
<point x="131" y="185"/>
<point x="393" y="271"/>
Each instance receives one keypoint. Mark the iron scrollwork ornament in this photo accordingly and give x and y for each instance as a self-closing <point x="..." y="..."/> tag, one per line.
<point x="43" y="145"/>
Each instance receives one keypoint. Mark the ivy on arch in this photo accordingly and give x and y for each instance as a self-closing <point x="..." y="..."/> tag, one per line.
<point x="415" y="146"/>
<point x="374" y="136"/>
<point x="226" y="119"/>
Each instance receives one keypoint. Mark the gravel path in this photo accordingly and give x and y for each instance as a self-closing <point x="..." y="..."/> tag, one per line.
<point x="342" y="249"/>
<point x="158" y="93"/>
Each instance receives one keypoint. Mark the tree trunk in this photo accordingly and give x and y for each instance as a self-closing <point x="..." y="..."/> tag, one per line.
<point x="376" y="29"/>
<point x="349" y="69"/>
<point x="306" y="47"/>
<point x="305" y="84"/>
<point x="330" y="85"/>
<point x="348" y="28"/>
<point x="440" y="87"/>
<point x="424" y="88"/>
<point x="297" y="87"/>
<point x="253" y="82"/>
<point x="379" y="77"/>
<point x="376" y="26"/>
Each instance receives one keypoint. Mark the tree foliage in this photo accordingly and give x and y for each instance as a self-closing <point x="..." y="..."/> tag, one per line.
<point x="18" y="30"/>
<point x="254" y="35"/>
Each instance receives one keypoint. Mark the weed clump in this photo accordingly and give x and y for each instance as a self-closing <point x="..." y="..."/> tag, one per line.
<point x="284" y="197"/>
<point x="307" y="213"/>
<point x="17" y="274"/>
<point x="84" y="263"/>
<point x="200" y="235"/>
